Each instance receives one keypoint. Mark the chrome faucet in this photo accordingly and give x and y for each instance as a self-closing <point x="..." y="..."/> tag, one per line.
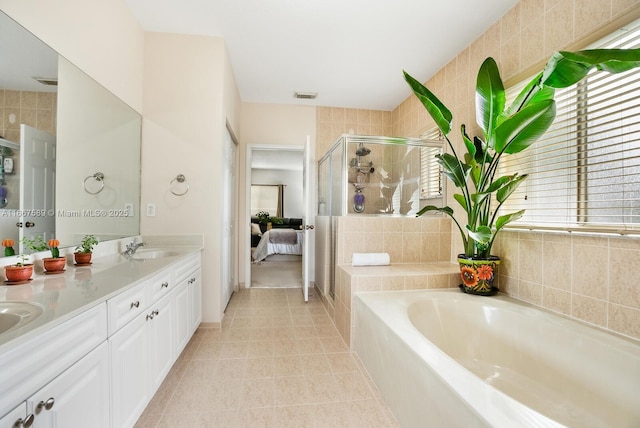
<point x="132" y="247"/>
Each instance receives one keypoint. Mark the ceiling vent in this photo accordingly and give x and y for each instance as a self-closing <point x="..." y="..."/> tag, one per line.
<point x="49" y="81"/>
<point x="305" y="95"/>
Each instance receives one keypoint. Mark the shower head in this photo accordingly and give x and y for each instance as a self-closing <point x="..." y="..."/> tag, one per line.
<point x="362" y="150"/>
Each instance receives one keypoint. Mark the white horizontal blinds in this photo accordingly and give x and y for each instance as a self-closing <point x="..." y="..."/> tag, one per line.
<point x="585" y="171"/>
<point x="430" y="171"/>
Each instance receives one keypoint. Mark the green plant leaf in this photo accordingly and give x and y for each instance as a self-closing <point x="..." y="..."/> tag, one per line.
<point x="445" y="210"/>
<point x="440" y="114"/>
<point x="532" y="93"/>
<point x="454" y="169"/>
<point x="490" y="97"/>
<point x="524" y="128"/>
<point x="568" y="68"/>
<point x="461" y="200"/>
<point x="498" y="183"/>
<point x="482" y="234"/>
<point x="508" y="188"/>
<point x="478" y="198"/>
<point x="503" y="220"/>
<point x="471" y="148"/>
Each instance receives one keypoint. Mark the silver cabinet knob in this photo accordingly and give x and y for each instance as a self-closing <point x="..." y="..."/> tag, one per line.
<point x="24" y="423"/>
<point x="47" y="405"/>
<point x="164" y="285"/>
<point x="135" y="304"/>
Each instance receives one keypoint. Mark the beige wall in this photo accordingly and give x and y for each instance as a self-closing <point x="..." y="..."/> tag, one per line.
<point x="584" y="277"/>
<point x="101" y="37"/>
<point x="269" y="125"/>
<point x="188" y="96"/>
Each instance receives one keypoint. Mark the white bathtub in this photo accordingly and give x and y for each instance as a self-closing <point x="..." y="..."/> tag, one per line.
<point x="447" y="359"/>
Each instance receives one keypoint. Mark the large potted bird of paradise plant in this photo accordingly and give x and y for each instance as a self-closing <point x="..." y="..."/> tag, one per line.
<point x="506" y="129"/>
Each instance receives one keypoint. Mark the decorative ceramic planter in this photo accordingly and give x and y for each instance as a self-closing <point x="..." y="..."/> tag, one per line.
<point x="54" y="264"/>
<point x="18" y="273"/>
<point x="478" y="274"/>
<point x="82" y="258"/>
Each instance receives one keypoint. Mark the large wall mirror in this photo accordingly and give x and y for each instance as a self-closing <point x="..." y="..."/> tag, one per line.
<point x="70" y="150"/>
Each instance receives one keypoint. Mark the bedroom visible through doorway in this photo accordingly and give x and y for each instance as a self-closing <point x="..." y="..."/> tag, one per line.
<point x="276" y="213"/>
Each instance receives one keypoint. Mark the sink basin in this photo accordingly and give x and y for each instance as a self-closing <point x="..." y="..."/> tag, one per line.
<point x="154" y="254"/>
<point x="16" y="314"/>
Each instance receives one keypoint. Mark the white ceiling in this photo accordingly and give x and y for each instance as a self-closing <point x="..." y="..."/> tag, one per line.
<point x="351" y="52"/>
<point x="280" y="159"/>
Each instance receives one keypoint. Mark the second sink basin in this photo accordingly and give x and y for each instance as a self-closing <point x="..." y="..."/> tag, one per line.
<point x="16" y="314"/>
<point x="152" y="253"/>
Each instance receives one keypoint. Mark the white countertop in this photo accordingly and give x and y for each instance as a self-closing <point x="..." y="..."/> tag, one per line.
<point x="63" y="296"/>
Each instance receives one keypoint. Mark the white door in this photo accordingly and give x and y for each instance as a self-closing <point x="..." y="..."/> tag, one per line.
<point x="308" y="218"/>
<point x="228" y="203"/>
<point x="37" y="183"/>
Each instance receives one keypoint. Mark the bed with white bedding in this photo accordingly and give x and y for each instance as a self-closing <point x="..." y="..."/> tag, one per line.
<point x="279" y="241"/>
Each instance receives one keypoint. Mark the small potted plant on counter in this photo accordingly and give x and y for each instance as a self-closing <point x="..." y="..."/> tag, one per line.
<point x="84" y="251"/>
<point x="20" y="271"/>
<point x="55" y="263"/>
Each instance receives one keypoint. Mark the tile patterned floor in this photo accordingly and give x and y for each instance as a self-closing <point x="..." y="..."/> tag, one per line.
<point x="276" y="362"/>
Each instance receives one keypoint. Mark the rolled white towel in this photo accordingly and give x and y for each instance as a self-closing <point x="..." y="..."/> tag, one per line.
<point x="370" y="259"/>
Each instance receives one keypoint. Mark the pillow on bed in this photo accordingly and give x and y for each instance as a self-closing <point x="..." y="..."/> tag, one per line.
<point x="255" y="229"/>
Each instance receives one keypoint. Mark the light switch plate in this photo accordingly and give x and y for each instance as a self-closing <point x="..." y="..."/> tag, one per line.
<point x="151" y="210"/>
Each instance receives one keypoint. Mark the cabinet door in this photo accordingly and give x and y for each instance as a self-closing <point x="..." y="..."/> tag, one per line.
<point x="15" y="418"/>
<point x="182" y="324"/>
<point x="129" y="351"/>
<point x="160" y="321"/>
<point x="195" y="287"/>
<point x="77" y="398"/>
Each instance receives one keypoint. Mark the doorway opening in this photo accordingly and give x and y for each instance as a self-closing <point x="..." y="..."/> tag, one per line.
<point x="275" y="211"/>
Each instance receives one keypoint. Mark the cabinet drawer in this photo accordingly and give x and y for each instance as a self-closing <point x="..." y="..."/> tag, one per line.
<point x="125" y="306"/>
<point x="159" y="285"/>
<point x="186" y="267"/>
<point x="34" y="363"/>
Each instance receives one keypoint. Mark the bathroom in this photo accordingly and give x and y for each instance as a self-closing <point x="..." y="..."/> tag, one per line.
<point x="173" y="64"/>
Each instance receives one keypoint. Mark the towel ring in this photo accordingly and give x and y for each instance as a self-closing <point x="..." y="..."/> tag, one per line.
<point x="99" y="177"/>
<point x="179" y="179"/>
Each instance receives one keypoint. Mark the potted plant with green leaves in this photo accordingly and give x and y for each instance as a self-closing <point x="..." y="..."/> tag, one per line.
<point x="506" y="129"/>
<point x="20" y="271"/>
<point x="84" y="251"/>
<point x="265" y="218"/>
<point x="55" y="263"/>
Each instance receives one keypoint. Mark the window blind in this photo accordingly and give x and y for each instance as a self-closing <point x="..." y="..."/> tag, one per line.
<point x="430" y="171"/>
<point x="584" y="173"/>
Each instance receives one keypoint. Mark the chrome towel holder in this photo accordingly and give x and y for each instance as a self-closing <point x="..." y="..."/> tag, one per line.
<point x="99" y="177"/>
<point x="180" y="178"/>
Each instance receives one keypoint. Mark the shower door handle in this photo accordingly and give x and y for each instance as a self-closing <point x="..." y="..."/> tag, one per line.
<point x="309" y="227"/>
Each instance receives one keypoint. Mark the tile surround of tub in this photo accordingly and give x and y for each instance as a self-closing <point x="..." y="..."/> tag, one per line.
<point x="590" y="278"/>
<point x="419" y="249"/>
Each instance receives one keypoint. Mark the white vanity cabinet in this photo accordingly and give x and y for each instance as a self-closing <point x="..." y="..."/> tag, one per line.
<point x="188" y="301"/>
<point x="101" y="367"/>
<point x="60" y="356"/>
<point x="78" y="397"/>
<point x="144" y="350"/>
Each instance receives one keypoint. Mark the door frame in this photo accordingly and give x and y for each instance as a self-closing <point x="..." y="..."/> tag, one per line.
<point x="247" y="194"/>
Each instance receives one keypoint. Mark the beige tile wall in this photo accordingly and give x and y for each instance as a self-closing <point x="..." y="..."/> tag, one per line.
<point x="589" y="278"/>
<point x="37" y="109"/>
<point x="335" y="121"/>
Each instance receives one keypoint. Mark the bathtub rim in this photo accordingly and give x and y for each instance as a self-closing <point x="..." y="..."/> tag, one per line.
<point x="478" y="395"/>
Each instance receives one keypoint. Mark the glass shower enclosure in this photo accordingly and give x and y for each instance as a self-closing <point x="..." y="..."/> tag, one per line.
<point x="379" y="176"/>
